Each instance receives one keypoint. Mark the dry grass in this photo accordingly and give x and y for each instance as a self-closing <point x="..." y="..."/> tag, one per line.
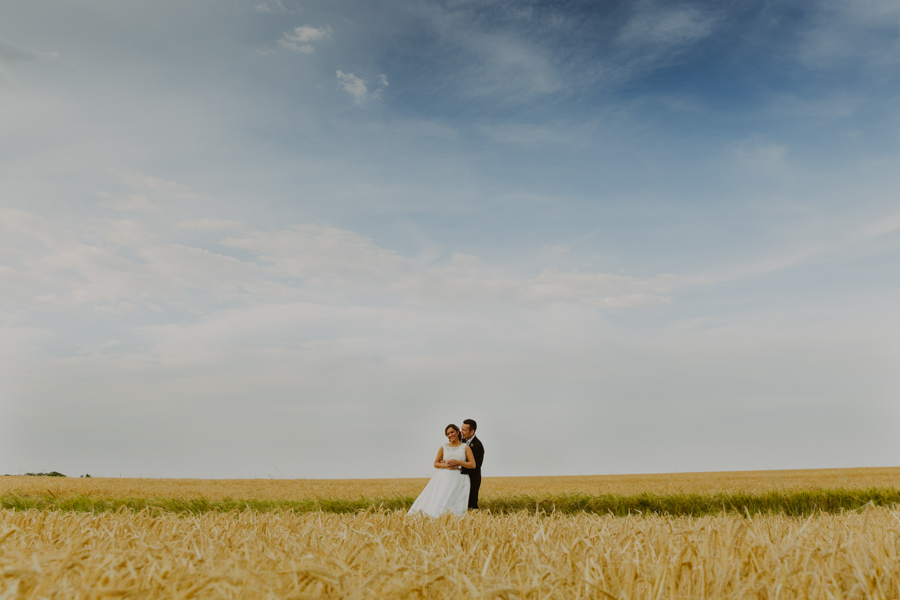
<point x="493" y="487"/>
<point x="387" y="555"/>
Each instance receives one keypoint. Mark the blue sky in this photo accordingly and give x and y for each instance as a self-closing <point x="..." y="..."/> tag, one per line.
<point x="623" y="236"/>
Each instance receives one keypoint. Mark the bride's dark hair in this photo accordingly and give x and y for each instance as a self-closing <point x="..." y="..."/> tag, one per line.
<point x="454" y="428"/>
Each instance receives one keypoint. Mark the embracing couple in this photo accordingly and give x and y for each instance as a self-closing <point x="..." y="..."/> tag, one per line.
<point x="455" y="487"/>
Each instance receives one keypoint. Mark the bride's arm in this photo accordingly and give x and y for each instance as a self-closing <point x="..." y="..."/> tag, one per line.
<point x="439" y="461"/>
<point x="470" y="460"/>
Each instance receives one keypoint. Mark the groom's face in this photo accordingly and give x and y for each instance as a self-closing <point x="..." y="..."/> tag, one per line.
<point x="466" y="432"/>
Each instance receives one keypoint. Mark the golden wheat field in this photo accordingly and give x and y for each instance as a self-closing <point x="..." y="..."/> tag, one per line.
<point x="301" y="489"/>
<point x="248" y="555"/>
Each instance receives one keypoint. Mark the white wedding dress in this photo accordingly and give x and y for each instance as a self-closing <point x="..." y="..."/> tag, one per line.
<point x="448" y="490"/>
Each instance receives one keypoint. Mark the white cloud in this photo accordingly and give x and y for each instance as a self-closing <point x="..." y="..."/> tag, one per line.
<point x="209" y="225"/>
<point x="18" y="339"/>
<point x="324" y="256"/>
<point x="837" y="105"/>
<point x="123" y="265"/>
<point x="605" y="289"/>
<point x="883" y="226"/>
<point x="31" y="225"/>
<point x="143" y="181"/>
<point x="134" y="202"/>
<point x="262" y="369"/>
<point x="382" y="85"/>
<point x="275" y="7"/>
<point x="323" y="319"/>
<point x="301" y="39"/>
<point x="509" y="66"/>
<point x="837" y="238"/>
<point x="764" y="157"/>
<point x="525" y="134"/>
<point x="327" y="257"/>
<point x="357" y="88"/>
<point x="666" y="27"/>
<point x="354" y="86"/>
<point x="509" y="63"/>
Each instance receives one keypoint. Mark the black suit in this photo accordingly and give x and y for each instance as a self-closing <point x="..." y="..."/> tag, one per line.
<point x="474" y="474"/>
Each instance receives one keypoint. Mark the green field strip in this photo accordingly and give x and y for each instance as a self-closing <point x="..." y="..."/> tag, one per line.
<point x="791" y="503"/>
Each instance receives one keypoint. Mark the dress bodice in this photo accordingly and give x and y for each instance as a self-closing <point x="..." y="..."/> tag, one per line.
<point x="458" y="453"/>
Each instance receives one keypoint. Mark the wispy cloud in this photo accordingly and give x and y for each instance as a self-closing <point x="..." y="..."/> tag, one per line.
<point x="329" y="257"/>
<point x="10" y="53"/>
<point x="508" y="63"/>
<point x="763" y="157"/>
<point x="664" y="26"/>
<point x="136" y="202"/>
<point x="275" y="7"/>
<point x="521" y="55"/>
<point x="884" y="226"/>
<point x="825" y="242"/>
<point x="123" y="262"/>
<point x="382" y="85"/>
<point x="210" y="225"/>
<point x="529" y="135"/>
<point x="863" y="32"/>
<point x="142" y="181"/>
<point x="655" y="36"/>
<point x="302" y="38"/>
<point x="27" y="224"/>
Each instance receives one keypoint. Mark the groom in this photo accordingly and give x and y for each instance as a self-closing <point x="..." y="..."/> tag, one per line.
<point x="468" y="434"/>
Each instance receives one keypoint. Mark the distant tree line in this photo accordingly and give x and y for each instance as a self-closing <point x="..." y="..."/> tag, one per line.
<point x="50" y="474"/>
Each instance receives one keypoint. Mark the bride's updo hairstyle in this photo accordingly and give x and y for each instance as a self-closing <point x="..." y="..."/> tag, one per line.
<point x="454" y="428"/>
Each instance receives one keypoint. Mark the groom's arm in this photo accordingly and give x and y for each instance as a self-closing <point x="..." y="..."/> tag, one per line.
<point x="478" y="451"/>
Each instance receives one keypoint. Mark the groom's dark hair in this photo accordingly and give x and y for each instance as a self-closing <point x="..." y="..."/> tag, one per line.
<point x="471" y="423"/>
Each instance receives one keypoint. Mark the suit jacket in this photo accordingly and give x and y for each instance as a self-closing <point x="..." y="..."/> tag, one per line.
<point x="478" y="453"/>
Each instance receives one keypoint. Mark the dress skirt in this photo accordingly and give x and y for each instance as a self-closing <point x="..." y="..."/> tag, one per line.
<point x="447" y="492"/>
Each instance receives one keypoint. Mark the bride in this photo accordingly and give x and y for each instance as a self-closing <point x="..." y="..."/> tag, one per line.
<point x="448" y="490"/>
